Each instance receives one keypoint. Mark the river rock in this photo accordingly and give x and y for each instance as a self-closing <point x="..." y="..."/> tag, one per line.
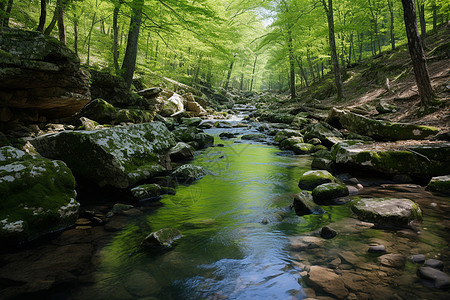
<point x="141" y="284"/>
<point x="191" y="121"/>
<point x="163" y="238"/>
<point x="40" y="75"/>
<point x="392" y="260"/>
<point x="195" y="108"/>
<point x="304" y="204"/>
<point x="417" y="258"/>
<point x="434" y="263"/>
<point x="440" y="184"/>
<point x="227" y="135"/>
<point x="181" y="151"/>
<point x="37" y="196"/>
<point x="327" y="134"/>
<point x="146" y="192"/>
<point x="387" y="211"/>
<point x="301" y="243"/>
<point x="327" y="281"/>
<point x="170" y="103"/>
<point x="434" y="277"/>
<point x="311" y="179"/>
<point x="421" y="160"/>
<point x="303" y="148"/>
<point x="287" y="133"/>
<point x="329" y="191"/>
<point x="319" y="163"/>
<point x="381" y="130"/>
<point x="288" y="143"/>
<point x="188" y="173"/>
<point x="259" y="137"/>
<point x="377" y="249"/>
<point x="194" y="137"/>
<point x="118" y="157"/>
<point x="327" y="232"/>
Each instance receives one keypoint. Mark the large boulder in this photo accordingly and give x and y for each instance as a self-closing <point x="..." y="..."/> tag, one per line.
<point x="286" y="133"/>
<point x="434" y="277"/>
<point x="170" y="103"/>
<point x="188" y="173"/>
<point x="440" y="184"/>
<point x="118" y="157"/>
<point x="196" y="109"/>
<point x="324" y="132"/>
<point x="424" y="159"/>
<point x="100" y="111"/>
<point x="311" y="179"/>
<point x="387" y="211"/>
<point x="40" y="74"/>
<point x="328" y="191"/>
<point x="288" y="143"/>
<point x="326" y="280"/>
<point x="181" y="151"/>
<point x="381" y="130"/>
<point x="194" y="137"/>
<point x="37" y="196"/>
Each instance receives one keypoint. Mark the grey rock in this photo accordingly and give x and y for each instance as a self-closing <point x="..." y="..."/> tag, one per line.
<point x="434" y="263"/>
<point x="377" y="249"/>
<point x="304" y="204"/>
<point x="434" y="277"/>
<point x="417" y="258"/>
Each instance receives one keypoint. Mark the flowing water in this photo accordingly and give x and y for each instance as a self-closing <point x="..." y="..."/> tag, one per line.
<point x="228" y="252"/>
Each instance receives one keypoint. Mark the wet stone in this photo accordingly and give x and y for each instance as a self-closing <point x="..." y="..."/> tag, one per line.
<point x="327" y="232"/>
<point x="417" y="258"/>
<point x="392" y="260"/>
<point x="434" y="277"/>
<point x="434" y="263"/>
<point x="377" y="249"/>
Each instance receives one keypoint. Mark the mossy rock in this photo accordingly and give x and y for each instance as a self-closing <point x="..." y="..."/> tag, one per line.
<point x="193" y="136"/>
<point x="327" y="134"/>
<point x="181" y="151"/>
<point x="37" y="196"/>
<point x="163" y="238"/>
<point x="300" y="121"/>
<point x="320" y="163"/>
<point x="329" y="191"/>
<point x="440" y="184"/>
<point x="387" y="212"/>
<point x="99" y="110"/>
<point x="259" y="137"/>
<point x="289" y="143"/>
<point x="191" y="121"/>
<point x="311" y="179"/>
<point x="303" y="148"/>
<point x="304" y="205"/>
<point x="188" y="173"/>
<point x="285" y="134"/>
<point x="118" y="157"/>
<point x="147" y="192"/>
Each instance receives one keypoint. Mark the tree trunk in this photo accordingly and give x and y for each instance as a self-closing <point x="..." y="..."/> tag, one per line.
<point x="334" y="58"/>
<point x="89" y="39"/>
<point x="146" y="47"/>
<point x="423" y="24"/>
<point x="253" y="73"/>
<point x="75" y="33"/>
<point x="350" y="50"/>
<point x="291" y="65"/>
<point x="434" y="7"/>
<point x="361" y="47"/>
<point x="417" y="54"/>
<point x="52" y="24"/>
<point x="391" y="12"/>
<point x="4" y="18"/>
<point x="116" y="37"/>
<point x="302" y="71"/>
<point x="310" y="65"/>
<point x="43" y="16"/>
<point x="227" y="83"/>
<point x="129" y="60"/>
<point x="61" y="25"/>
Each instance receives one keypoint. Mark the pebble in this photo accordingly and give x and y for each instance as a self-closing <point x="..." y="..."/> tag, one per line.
<point x="434" y="263"/>
<point x="377" y="249"/>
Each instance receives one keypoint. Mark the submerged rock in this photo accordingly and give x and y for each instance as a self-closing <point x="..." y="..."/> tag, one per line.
<point x="381" y="130"/>
<point x="181" y="151"/>
<point x="387" y="211"/>
<point x="440" y="184"/>
<point x="327" y="232"/>
<point x="146" y="192"/>
<point x="434" y="277"/>
<point x="37" y="196"/>
<point x="118" y="157"/>
<point x="163" y="238"/>
<point x="311" y="179"/>
<point x="194" y="137"/>
<point x="327" y="281"/>
<point x="304" y="205"/>
<point x="328" y="191"/>
<point x="188" y="173"/>
<point x="392" y="260"/>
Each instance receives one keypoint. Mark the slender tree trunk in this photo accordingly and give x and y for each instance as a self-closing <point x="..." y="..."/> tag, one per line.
<point x="417" y="54"/>
<point x="302" y="71"/>
<point x="291" y="65"/>
<point x="391" y="12"/>
<point x="75" y="35"/>
<point x="241" y="85"/>
<point x="43" y="16"/>
<point x="129" y="60"/>
<point x="52" y="24"/>
<point x="350" y="50"/>
<point x="227" y="83"/>
<point x="89" y="39"/>
<point x="361" y="47"/>
<point x="434" y="7"/>
<point x="334" y="58"/>
<point x="61" y="25"/>
<point x="423" y="24"/>
<point x="116" y="36"/>
<point x="253" y="73"/>
<point x="146" y="47"/>
<point x="310" y="65"/>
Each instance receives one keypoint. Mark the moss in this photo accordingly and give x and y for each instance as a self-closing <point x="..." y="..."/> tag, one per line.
<point x="303" y="148"/>
<point x="329" y="191"/>
<point x="311" y="179"/>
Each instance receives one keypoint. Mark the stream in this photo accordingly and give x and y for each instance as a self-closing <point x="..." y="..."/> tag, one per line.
<point x="238" y="229"/>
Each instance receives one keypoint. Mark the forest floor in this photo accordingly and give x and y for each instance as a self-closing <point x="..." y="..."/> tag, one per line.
<point x="390" y="78"/>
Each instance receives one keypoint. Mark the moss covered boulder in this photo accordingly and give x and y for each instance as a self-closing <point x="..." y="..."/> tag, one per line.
<point x="304" y="204"/>
<point x="257" y="137"/>
<point x="387" y="211"/>
<point x="416" y="159"/>
<point x="119" y="157"/>
<point x="440" y="184"/>
<point x="181" y="151"/>
<point x="194" y="137"/>
<point x="287" y="133"/>
<point x="188" y="173"/>
<point x="100" y="111"/>
<point x="329" y="191"/>
<point x="303" y="148"/>
<point x="288" y="143"/>
<point x="37" y="196"/>
<point x="381" y="130"/>
<point x="147" y="192"/>
<point x="311" y="179"/>
<point x="191" y="121"/>
<point x="324" y="132"/>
